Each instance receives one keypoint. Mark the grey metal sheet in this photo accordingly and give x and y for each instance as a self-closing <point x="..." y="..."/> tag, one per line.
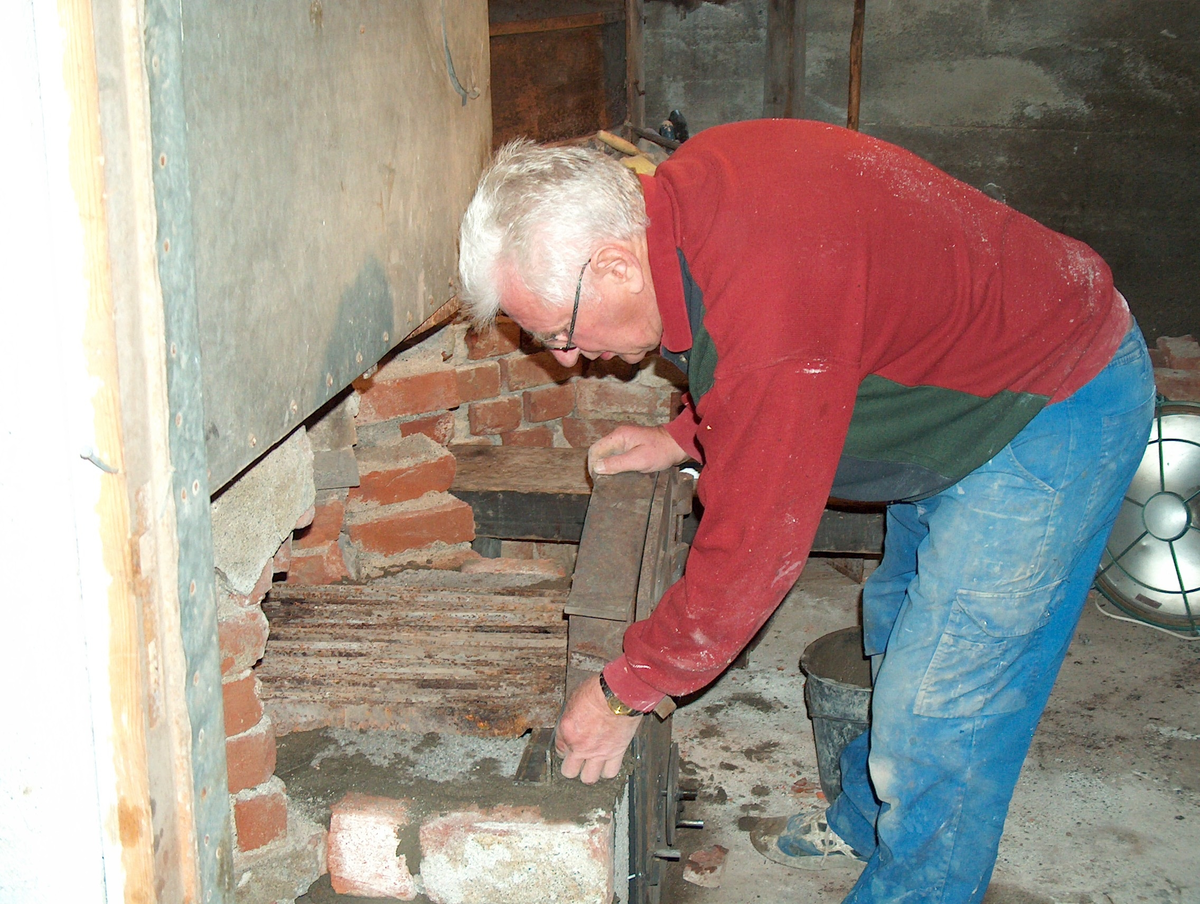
<point x="332" y="147"/>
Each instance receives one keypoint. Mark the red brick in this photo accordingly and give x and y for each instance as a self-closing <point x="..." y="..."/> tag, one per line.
<point x="242" y="634"/>
<point x="621" y="401"/>
<point x="283" y="557"/>
<point x="541" y="437"/>
<point x="243" y="709"/>
<point x="439" y="427"/>
<point x="382" y="400"/>
<point x="260" y="815"/>
<point x="549" y="403"/>
<point x="502" y="339"/>
<point x="392" y="529"/>
<point x="478" y="381"/>
<point x="530" y="857"/>
<point x="1180" y="352"/>
<point x="402" y="471"/>
<point x="1178" y="385"/>
<point x="326" y="524"/>
<point x="580" y="433"/>
<point x="363" y="856"/>
<point x="494" y="416"/>
<point x="251" y="756"/>
<point x="319" y="565"/>
<point x="526" y="371"/>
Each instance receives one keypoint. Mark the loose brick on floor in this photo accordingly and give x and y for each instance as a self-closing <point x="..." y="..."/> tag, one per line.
<point x="514" y="855"/>
<point x="364" y="833"/>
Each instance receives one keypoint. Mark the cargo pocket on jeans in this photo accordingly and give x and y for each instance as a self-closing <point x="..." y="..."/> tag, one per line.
<point x="974" y="668"/>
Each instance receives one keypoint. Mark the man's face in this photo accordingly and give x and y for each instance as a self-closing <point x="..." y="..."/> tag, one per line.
<point x="618" y="317"/>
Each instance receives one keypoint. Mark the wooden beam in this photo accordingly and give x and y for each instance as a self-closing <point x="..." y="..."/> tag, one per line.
<point x="555" y="23"/>
<point x="787" y="37"/>
<point x="635" y="65"/>
<point x="128" y="825"/>
<point x="856" y="51"/>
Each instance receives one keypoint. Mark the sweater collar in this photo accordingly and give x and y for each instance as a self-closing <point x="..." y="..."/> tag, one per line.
<point x="664" y="266"/>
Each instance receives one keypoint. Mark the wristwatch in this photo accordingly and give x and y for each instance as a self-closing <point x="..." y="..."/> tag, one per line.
<point x="614" y="702"/>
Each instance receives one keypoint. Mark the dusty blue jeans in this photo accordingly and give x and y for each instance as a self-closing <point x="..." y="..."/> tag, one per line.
<point x="967" y="620"/>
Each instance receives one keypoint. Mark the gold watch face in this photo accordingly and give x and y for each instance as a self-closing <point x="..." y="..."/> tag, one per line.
<point x="619" y="708"/>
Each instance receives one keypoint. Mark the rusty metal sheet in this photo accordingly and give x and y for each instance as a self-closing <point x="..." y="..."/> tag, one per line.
<point x="332" y="148"/>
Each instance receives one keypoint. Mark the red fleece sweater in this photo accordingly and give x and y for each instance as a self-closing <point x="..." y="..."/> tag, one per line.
<point x="825" y="258"/>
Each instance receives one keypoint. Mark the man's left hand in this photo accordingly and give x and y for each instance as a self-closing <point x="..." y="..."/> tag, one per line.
<point x="590" y="737"/>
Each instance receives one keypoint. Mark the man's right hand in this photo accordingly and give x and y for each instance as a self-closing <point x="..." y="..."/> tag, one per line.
<point x="631" y="448"/>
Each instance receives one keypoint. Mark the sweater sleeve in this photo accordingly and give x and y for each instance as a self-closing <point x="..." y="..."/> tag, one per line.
<point x="764" y="485"/>
<point x="683" y="429"/>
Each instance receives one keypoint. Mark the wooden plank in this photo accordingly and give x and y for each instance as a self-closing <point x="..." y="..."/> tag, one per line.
<point x="555" y="517"/>
<point x="520" y="470"/>
<point x="557" y="23"/>
<point x="524" y="493"/>
<point x="127" y="686"/>
<point x="610" y="551"/>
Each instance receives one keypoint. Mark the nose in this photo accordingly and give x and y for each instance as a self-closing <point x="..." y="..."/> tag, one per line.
<point x="566" y="358"/>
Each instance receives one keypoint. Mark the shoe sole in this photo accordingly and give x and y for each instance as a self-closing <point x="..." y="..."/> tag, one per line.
<point x="765" y="837"/>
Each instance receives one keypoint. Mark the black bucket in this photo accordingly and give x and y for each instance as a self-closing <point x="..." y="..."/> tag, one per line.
<point x="837" y="692"/>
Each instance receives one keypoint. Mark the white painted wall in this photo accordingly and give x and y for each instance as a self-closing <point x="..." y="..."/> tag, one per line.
<point x="58" y="833"/>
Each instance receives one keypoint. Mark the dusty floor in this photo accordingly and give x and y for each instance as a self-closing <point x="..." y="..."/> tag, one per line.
<point x="1107" y="810"/>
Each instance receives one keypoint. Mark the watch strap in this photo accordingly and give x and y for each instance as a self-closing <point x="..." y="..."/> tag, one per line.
<point x="614" y="702"/>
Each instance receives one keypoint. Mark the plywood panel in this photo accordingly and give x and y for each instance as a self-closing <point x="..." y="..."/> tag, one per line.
<point x="332" y="148"/>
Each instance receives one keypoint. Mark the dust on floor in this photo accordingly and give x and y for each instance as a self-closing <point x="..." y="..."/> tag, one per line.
<point x="1107" y="810"/>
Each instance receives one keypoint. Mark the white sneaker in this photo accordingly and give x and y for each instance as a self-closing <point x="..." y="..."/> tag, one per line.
<point x="805" y="841"/>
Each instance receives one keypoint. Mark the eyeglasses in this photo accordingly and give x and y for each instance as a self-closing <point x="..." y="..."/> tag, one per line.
<point x="568" y="344"/>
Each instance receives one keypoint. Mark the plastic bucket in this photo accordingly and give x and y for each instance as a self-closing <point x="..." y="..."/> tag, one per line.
<point x="837" y="692"/>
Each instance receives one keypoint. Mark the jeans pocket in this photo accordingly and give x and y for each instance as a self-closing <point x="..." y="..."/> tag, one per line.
<point x="973" y="671"/>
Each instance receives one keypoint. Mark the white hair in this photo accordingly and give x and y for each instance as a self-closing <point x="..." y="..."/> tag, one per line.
<point x="540" y="212"/>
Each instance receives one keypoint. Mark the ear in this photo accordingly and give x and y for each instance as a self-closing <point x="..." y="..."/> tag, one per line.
<point x="619" y="261"/>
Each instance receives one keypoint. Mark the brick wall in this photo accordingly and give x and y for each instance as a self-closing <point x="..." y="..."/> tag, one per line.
<point x="458" y="386"/>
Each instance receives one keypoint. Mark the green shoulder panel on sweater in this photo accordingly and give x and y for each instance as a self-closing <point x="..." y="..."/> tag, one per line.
<point x="941" y="430"/>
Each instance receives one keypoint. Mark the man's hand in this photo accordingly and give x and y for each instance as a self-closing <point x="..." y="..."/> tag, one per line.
<point x="630" y="448"/>
<point x="590" y="738"/>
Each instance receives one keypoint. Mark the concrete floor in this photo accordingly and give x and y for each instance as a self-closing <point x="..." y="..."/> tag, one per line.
<point x="1107" y="810"/>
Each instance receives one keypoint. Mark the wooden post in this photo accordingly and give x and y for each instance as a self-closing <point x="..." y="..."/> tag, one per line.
<point x="856" y="49"/>
<point x="635" y="75"/>
<point x="783" y="79"/>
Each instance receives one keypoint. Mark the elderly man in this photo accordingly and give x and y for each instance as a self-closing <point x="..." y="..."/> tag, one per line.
<point x="854" y="323"/>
